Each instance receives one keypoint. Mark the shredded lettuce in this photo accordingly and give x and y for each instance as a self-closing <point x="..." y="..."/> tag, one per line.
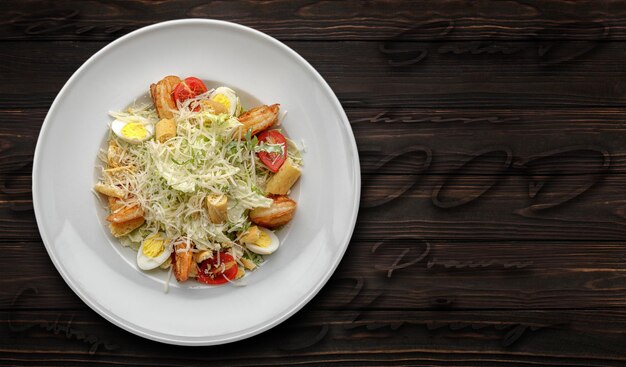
<point x="172" y="180"/>
<point x="269" y="148"/>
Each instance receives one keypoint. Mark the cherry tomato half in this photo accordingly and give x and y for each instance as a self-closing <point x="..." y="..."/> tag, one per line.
<point x="214" y="272"/>
<point x="195" y="85"/>
<point x="273" y="161"/>
<point x="188" y="88"/>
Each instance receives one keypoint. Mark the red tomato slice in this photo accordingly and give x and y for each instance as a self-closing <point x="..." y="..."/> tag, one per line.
<point x="182" y="92"/>
<point x="211" y="271"/>
<point x="195" y="85"/>
<point x="188" y="88"/>
<point x="273" y="161"/>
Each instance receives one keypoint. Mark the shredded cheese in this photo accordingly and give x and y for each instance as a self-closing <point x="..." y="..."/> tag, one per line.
<point x="172" y="180"/>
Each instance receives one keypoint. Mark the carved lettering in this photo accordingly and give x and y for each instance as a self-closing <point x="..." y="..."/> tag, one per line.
<point x="506" y="162"/>
<point x="539" y="182"/>
<point x="58" y="327"/>
<point x="401" y="53"/>
<point x="370" y="183"/>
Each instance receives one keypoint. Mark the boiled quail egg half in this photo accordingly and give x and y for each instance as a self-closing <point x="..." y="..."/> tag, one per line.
<point x="153" y="252"/>
<point x="132" y="132"/>
<point x="265" y="244"/>
<point x="228" y="98"/>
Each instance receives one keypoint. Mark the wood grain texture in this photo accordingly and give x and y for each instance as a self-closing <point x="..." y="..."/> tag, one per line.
<point x="337" y="338"/>
<point x="556" y="186"/>
<point x="314" y="20"/>
<point x="394" y="205"/>
<point x="404" y="273"/>
<point x="385" y="76"/>
<point x="542" y="141"/>
<point x="492" y="142"/>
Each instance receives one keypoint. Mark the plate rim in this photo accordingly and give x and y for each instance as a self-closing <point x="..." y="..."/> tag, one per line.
<point x="180" y="339"/>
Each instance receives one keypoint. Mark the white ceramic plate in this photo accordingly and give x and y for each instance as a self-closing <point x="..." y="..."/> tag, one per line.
<point x="103" y="274"/>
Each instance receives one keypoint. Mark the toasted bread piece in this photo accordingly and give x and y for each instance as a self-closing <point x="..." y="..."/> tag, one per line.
<point x="248" y="264"/>
<point x="240" y="272"/>
<point x="200" y="256"/>
<point x="165" y="130"/>
<point x="123" y="228"/>
<point x="281" y="182"/>
<point x="118" y="174"/>
<point x="193" y="270"/>
<point x="110" y="190"/>
<point x="114" y="154"/>
<point x="218" y="208"/>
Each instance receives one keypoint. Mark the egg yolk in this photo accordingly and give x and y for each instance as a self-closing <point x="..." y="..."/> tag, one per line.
<point x="134" y="130"/>
<point x="264" y="240"/>
<point x="222" y="99"/>
<point x="153" y="247"/>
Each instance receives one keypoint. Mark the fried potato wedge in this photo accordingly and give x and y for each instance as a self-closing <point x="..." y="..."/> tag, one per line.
<point x="161" y="93"/>
<point x="115" y="204"/>
<point x="181" y="261"/>
<point x="278" y="214"/>
<point x="257" y="119"/>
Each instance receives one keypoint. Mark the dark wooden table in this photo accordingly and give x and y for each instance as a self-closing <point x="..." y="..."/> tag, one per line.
<point x="492" y="139"/>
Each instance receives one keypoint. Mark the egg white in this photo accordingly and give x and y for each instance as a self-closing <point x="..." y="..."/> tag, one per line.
<point x="147" y="263"/>
<point x="230" y="95"/>
<point x="273" y="246"/>
<point x="117" y="126"/>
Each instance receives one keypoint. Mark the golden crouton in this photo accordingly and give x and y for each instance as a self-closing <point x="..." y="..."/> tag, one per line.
<point x="193" y="270"/>
<point x="110" y="190"/>
<point x="218" y="208"/>
<point x="114" y="154"/>
<point x="248" y="264"/>
<point x="200" y="256"/>
<point x="165" y="130"/>
<point x="279" y="213"/>
<point x="282" y="181"/>
<point x="240" y="272"/>
<point x="123" y="228"/>
<point x="118" y="174"/>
